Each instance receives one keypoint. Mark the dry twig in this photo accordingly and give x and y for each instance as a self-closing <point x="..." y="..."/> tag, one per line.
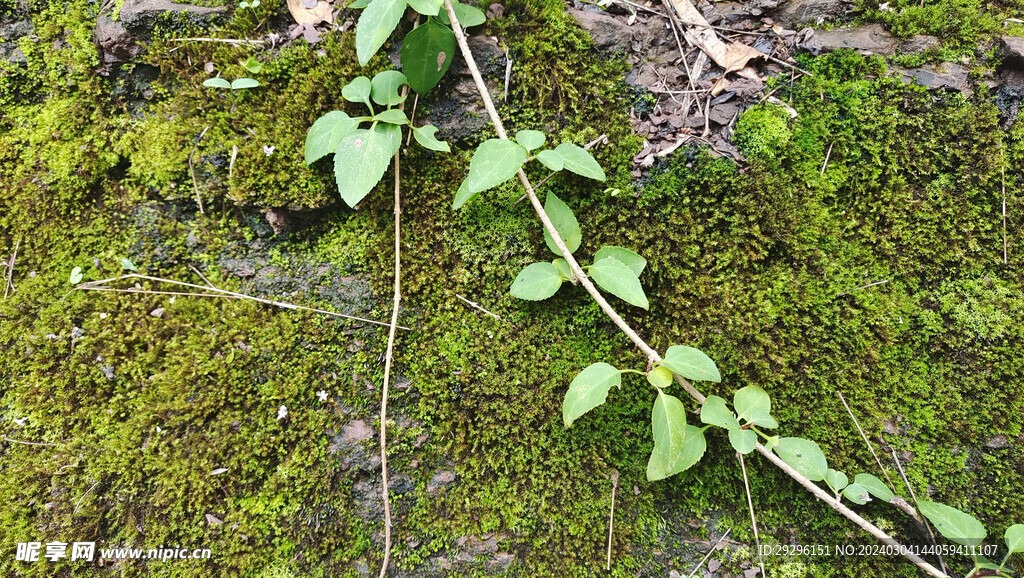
<point x="753" y="518"/>
<point x="192" y="172"/>
<point x="9" y="283"/>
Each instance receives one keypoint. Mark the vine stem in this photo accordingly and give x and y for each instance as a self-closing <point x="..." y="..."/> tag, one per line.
<point x="388" y="358"/>
<point x="652" y="355"/>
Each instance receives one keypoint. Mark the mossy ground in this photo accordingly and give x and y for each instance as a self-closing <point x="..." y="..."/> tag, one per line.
<point x="759" y="268"/>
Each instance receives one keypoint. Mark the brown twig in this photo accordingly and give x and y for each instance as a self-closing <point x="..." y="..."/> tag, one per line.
<point x="753" y="518"/>
<point x="648" y="351"/>
<point x="899" y="466"/>
<point x="192" y="172"/>
<point x="1003" y="180"/>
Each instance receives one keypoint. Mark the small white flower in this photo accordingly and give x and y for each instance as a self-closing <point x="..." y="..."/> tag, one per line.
<point x="268" y="150"/>
<point x="322" y="395"/>
<point x="282" y="412"/>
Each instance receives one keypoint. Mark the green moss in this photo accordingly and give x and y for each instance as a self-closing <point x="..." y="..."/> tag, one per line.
<point x="763" y="131"/>
<point x="959" y="23"/>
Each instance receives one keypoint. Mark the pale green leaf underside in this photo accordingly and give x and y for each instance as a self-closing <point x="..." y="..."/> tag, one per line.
<point x="392" y="116"/>
<point x="953" y="524"/>
<point x="691" y="363"/>
<point x="360" y="160"/>
<point x="326" y="133"/>
<point x="551" y="160"/>
<point x="565" y="223"/>
<point x="836" y="480"/>
<point x="468" y="15"/>
<point x="216" y="83"/>
<point x="358" y="90"/>
<point x="537" y="281"/>
<point x="749" y="399"/>
<point x="240" y="83"/>
<point x="635" y="262"/>
<point x="694" y="446"/>
<point x="803" y="456"/>
<point x="743" y="440"/>
<point x="616" y="278"/>
<point x="588" y="390"/>
<point x="1015" y="538"/>
<point x="376" y="23"/>
<point x="530" y="139"/>
<point x="494" y="162"/>
<point x="874" y="486"/>
<point x="385" y="88"/>
<point x="857" y="494"/>
<point x="716" y="412"/>
<point x="425" y="136"/>
<point x="463" y="196"/>
<point x="579" y="161"/>
<point x="426" y="7"/>
<point x="563" y="268"/>
<point x="668" y="421"/>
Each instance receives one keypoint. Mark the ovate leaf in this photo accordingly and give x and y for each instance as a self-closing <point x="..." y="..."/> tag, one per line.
<point x="874" y="486"/>
<point x="376" y="23"/>
<point x="953" y="524"/>
<point x="691" y="363"/>
<point x="588" y="390"/>
<point x="565" y="223"/>
<point x="468" y="15"/>
<point x="494" y="162"/>
<point x="426" y="54"/>
<point x="463" y="196"/>
<point x="803" y="456"/>
<point x="579" y="161"/>
<point x="216" y="83"/>
<point x="76" y="276"/>
<point x="425" y="136"/>
<point x="857" y="494"/>
<point x="836" y="480"/>
<point x="127" y="264"/>
<point x="393" y="132"/>
<point x="426" y="7"/>
<point x="326" y="133"/>
<point x="716" y="412"/>
<point x="635" y="262"/>
<point x="668" y="421"/>
<point x="762" y="418"/>
<point x="357" y="91"/>
<point x="750" y="399"/>
<point x="551" y="160"/>
<point x="743" y="440"/>
<point x="563" y="268"/>
<point x="530" y="139"/>
<point x="536" y="282"/>
<point x="1015" y="538"/>
<point x="659" y="377"/>
<point x="360" y="160"/>
<point x="694" y="446"/>
<point x="385" y="88"/>
<point x="392" y="116"/>
<point x="240" y="83"/>
<point x="616" y="278"/>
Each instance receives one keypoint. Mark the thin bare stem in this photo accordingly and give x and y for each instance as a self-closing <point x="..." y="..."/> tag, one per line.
<point x="1003" y="180"/>
<point x="7" y="439"/>
<point x="708" y="555"/>
<point x="611" y="517"/>
<point x="192" y="172"/>
<point x="899" y="466"/>
<point x="753" y="518"/>
<point x="100" y="285"/>
<point x="651" y="354"/>
<point x="867" y="442"/>
<point x="9" y="283"/>
<point x="828" y="154"/>
<point x="477" y="306"/>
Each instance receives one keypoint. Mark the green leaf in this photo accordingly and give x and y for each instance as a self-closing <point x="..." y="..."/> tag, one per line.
<point x="357" y="91"/>
<point x="985" y="563"/>
<point x="393" y="132"/>
<point x="691" y="363"/>
<point x="635" y="262"/>
<point x="762" y="418"/>
<point x="360" y="160"/>
<point x="385" y="88"/>
<point x="803" y="456"/>
<point x="427" y="52"/>
<point x="392" y="116"/>
<point x="426" y="7"/>
<point x="588" y="390"/>
<point x="751" y="398"/>
<point x="668" y="421"/>
<point x="694" y="446"/>
<point x="716" y="412"/>
<point x="463" y="196"/>
<point x="376" y="23"/>
<point x="242" y="83"/>
<point x="326" y="133"/>
<point x="530" y="139"/>
<point x="358" y="4"/>
<point x="536" y="282"/>
<point x="425" y="136"/>
<point x="1015" y="538"/>
<point x="857" y="494"/>
<point x="252" y="65"/>
<point x="579" y="161"/>
<point x="836" y="480"/>
<point x="468" y="15"/>
<point x="563" y="268"/>
<point x="216" y="83"/>
<point x="127" y="264"/>
<point x="616" y="278"/>
<point x="76" y="276"/>
<point x="874" y="486"/>
<point x="565" y="223"/>
<point x="494" y="162"/>
<point x="659" y="377"/>
<point x="551" y="160"/>
<point x="743" y="440"/>
<point x="953" y="524"/>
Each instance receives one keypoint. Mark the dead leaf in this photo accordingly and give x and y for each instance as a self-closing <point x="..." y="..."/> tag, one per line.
<point x="322" y="11"/>
<point x="737" y="55"/>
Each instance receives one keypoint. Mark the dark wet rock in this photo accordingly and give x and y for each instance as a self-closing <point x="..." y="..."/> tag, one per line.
<point x="140" y="16"/>
<point x="440" y="480"/>
<point x="918" y="44"/>
<point x="473" y="547"/>
<point x="723" y="114"/>
<point x="870" y="38"/>
<point x="1013" y="50"/>
<point x="368" y="498"/>
<point x="997" y="442"/>
<point x="114" y="39"/>
<point x="401" y="484"/>
<point x="607" y="32"/>
<point x="947" y="76"/>
<point x="460" y="113"/>
<point x="501" y="561"/>
<point x="352" y="447"/>
<point x="793" y="12"/>
<point x="12" y="29"/>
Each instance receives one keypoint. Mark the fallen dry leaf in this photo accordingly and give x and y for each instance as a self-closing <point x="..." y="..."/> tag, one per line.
<point x="322" y="11"/>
